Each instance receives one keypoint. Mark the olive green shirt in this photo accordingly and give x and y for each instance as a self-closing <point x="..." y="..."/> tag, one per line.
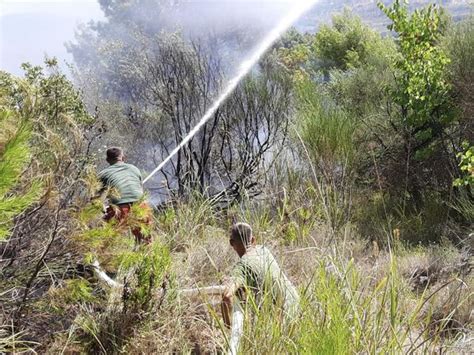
<point x="126" y="179"/>
<point x="258" y="271"/>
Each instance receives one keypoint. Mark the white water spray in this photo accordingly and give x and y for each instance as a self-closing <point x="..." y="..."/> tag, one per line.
<point x="301" y="7"/>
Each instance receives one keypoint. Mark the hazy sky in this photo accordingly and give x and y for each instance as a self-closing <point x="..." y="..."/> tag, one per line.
<point x="30" y="29"/>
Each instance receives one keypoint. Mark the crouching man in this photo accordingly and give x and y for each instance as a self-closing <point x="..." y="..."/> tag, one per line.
<point x="126" y="179"/>
<point x="257" y="275"/>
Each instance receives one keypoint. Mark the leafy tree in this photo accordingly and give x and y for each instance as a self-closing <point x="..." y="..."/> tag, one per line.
<point x="355" y="60"/>
<point x="412" y="159"/>
<point x="423" y="90"/>
<point x="336" y="115"/>
<point x="347" y="43"/>
<point x="293" y="51"/>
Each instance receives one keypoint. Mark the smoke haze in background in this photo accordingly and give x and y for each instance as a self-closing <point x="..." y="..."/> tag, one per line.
<point x="231" y="28"/>
<point x="29" y="29"/>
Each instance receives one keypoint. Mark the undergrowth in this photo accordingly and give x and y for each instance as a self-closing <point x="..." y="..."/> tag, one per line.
<point x="355" y="297"/>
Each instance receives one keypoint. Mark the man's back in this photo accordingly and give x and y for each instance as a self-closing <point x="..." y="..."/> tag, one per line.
<point x="126" y="178"/>
<point x="259" y="271"/>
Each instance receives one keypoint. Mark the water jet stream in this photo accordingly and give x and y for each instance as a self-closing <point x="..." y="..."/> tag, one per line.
<point x="246" y="66"/>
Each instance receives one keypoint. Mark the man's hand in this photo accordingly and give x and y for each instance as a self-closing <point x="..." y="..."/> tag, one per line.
<point x="226" y="305"/>
<point x="229" y="291"/>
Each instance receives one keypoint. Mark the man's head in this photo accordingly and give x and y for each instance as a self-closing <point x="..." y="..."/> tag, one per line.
<point x="114" y="155"/>
<point x="241" y="237"/>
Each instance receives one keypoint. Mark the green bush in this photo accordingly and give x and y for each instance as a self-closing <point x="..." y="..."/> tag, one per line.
<point x="422" y="94"/>
<point x="348" y="44"/>
<point x="15" y="195"/>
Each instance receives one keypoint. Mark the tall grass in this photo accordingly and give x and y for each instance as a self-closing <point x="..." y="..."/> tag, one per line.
<point x="327" y="134"/>
<point x="342" y="313"/>
<point x="327" y="130"/>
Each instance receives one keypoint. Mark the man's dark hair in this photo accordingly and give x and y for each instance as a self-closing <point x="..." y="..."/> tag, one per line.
<point x="241" y="232"/>
<point x="113" y="154"/>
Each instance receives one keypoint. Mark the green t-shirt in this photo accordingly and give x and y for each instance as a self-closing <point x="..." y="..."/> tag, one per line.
<point x="258" y="271"/>
<point x="126" y="178"/>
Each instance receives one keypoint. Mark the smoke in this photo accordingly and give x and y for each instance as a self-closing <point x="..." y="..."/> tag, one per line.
<point x="237" y="27"/>
<point x="234" y="27"/>
<point x="220" y="16"/>
<point x="231" y="29"/>
<point x="201" y="16"/>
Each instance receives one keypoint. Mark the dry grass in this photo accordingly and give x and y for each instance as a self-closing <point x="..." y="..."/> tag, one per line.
<point x="429" y="319"/>
<point x="355" y="295"/>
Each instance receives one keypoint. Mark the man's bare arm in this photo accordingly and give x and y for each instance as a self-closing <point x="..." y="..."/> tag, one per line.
<point x="226" y="305"/>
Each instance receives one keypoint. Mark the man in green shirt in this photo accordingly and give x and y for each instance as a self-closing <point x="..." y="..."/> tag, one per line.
<point x="257" y="272"/>
<point x="126" y="179"/>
